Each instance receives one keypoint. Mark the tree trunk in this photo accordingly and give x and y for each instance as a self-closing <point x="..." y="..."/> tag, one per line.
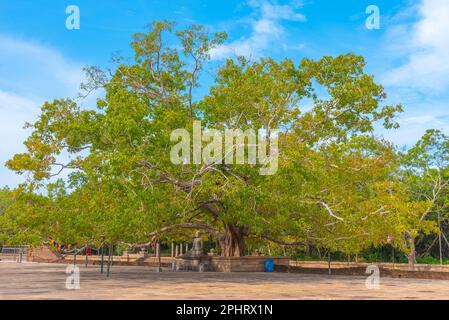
<point x="411" y="255"/>
<point x="439" y="239"/>
<point x="309" y="250"/>
<point x="232" y="241"/>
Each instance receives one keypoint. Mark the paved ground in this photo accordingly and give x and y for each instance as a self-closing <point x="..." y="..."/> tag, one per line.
<point x="47" y="281"/>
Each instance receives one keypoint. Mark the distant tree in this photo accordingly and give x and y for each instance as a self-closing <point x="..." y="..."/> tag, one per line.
<point x="6" y="199"/>
<point x="425" y="173"/>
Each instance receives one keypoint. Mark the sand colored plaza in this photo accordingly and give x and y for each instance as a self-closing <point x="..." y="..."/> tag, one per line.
<point x="48" y="281"/>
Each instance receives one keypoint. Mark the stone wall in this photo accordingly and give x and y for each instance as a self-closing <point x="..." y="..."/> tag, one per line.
<point x="392" y="270"/>
<point x="45" y="255"/>
<point x="213" y="263"/>
<point x="361" y="271"/>
<point x="384" y="265"/>
<point x="245" y="264"/>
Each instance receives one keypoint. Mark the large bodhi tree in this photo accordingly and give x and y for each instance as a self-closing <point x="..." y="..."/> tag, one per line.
<point x="332" y="185"/>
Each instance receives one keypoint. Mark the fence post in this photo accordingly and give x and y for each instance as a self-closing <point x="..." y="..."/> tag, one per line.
<point x="102" y="260"/>
<point x="109" y="261"/>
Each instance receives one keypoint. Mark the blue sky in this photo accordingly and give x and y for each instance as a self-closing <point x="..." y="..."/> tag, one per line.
<point x="40" y="59"/>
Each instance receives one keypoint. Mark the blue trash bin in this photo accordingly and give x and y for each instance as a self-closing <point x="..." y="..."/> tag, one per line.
<point x="269" y="265"/>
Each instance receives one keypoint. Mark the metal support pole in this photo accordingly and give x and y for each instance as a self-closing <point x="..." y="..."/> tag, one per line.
<point x="102" y="260"/>
<point x="392" y="252"/>
<point x="109" y="261"/>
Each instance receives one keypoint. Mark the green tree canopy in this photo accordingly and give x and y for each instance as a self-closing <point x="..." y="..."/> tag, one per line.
<point x="334" y="186"/>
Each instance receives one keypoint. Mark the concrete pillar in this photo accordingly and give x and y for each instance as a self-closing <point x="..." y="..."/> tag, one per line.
<point x="180" y="249"/>
<point x="176" y="251"/>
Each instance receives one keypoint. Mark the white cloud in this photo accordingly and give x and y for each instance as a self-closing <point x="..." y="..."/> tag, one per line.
<point x="417" y="42"/>
<point x="415" y="122"/>
<point x="267" y="30"/>
<point x="426" y="44"/>
<point x="17" y="104"/>
<point x="280" y="12"/>
<point x="14" y="112"/>
<point x="33" y="69"/>
<point x="30" y="73"/>
<point x="419" y="120"/>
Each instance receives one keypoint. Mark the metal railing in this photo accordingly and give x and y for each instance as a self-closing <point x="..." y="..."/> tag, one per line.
<point x="14" y="253"/>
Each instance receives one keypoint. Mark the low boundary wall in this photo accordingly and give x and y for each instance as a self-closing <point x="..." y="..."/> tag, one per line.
<point x="256" y="264"/>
